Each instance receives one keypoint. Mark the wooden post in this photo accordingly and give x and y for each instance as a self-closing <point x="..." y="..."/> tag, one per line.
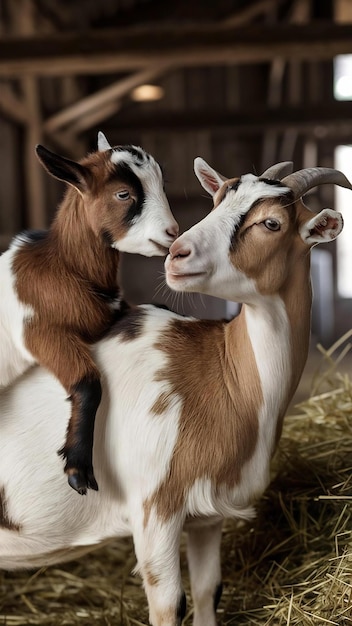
<point x="24" y="24"/>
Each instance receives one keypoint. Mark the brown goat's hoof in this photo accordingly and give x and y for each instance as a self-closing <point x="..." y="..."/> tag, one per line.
<point x="92" y="483"/>
<point x="81" y="483"/>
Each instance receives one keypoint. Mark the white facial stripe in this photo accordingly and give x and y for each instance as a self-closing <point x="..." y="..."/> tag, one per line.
<point x="149" y="233"/>
<point x="249" y="191"/>
<point x="145" y="169"/>
<point x="127" y="156"/>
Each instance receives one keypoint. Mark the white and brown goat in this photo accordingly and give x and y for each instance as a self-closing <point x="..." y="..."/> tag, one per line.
<point x="59" y="288"/>
<point x="191" y="410"/>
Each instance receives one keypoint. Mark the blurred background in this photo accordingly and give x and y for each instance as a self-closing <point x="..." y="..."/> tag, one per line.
<point x="242" y="83"/>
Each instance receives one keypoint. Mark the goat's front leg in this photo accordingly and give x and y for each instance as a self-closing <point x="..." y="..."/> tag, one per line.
<point x="157" y="546"/>
<point x="203" y="554"/>
<point x="69" y="359"/>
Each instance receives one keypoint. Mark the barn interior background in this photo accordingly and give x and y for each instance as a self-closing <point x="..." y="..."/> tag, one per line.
<point x="244" y="84"/>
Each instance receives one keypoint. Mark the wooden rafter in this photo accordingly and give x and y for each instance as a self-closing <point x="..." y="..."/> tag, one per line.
<point x="250" y="12"/>
<point x="107" y="51"/>
<point x="23" y="22"/>
<point x="12" y="105"/>
<point x="249" y="120"/>
<point x="100" y="104"/>
<point x="91" y="119"/>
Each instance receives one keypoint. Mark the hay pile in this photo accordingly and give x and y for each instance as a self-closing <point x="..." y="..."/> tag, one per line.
<point x="291" y="566"/>
<point x="294" y="567"/>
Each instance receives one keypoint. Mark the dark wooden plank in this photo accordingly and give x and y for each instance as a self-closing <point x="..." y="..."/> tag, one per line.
<point x="252" y="119"/>
<point x="107" y="51"/>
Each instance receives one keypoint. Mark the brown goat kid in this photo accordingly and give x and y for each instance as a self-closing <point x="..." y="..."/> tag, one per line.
<point x="59" y="288"/>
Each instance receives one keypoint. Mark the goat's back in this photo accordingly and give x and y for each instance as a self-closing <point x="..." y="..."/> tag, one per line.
<point x="41" y="519"/>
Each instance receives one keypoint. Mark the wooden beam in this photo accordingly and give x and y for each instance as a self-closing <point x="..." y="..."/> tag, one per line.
<point x="23" y="21"/>
<point x="104" y="51"/>
<point x="251" y="12"/>
<point x="11" y="105"/>
<point x="96" y="101"/>
<point x="93" y="119"/>
<point x="249" y="120"/>
<point x="69" y="145"/>
<point x="36" y="209"/>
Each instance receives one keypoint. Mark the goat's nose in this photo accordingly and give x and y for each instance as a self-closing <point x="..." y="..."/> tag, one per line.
<point x="172" y="231"/>
<point x="179" y="250"/>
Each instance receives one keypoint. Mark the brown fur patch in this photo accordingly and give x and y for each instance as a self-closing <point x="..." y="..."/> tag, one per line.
<point x="221" y="193"/>
<point x="64" y="291"/>
<point x="299" y="314"/>
<point x="162" y="403"/>
<point x="62" y="352"/>
<point x="5" y="521"/>
<point x="130" y="326"/>
<point x="221" y="396"/>
<point x="256" y="248"/>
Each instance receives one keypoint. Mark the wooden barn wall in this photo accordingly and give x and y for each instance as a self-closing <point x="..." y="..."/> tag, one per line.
<point x="11" y="196"/>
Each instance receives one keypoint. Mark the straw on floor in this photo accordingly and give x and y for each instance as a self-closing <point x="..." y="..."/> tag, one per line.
<point x="292" y="566"/>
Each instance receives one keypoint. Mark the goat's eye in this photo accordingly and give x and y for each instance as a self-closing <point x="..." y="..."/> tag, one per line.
<point x="272" y="224"/>
<point x="123" y="195"/>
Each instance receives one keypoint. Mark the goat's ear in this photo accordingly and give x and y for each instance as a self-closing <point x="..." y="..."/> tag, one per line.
<point x="64" y="169"/>
<point x="103" y="143"/>
<point x="208" y="178"/>
<point x="324" y="227"/>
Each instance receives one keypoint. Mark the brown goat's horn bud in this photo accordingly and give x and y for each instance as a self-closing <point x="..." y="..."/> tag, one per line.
<point x="300" y="182"/>
<point x="276" y="172"/>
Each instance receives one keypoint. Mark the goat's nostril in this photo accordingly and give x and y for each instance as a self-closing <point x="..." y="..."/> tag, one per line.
<point x="172" y="231"/>
<point x="178" y="251"/>
<point x="184" y="252"/>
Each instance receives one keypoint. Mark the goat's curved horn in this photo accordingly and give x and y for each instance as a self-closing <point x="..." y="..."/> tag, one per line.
<point x="276" y="172"/>
<point x="300" y="182"/>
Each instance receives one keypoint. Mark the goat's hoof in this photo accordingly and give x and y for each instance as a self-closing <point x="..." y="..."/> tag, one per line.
<point x="81" y="482"/>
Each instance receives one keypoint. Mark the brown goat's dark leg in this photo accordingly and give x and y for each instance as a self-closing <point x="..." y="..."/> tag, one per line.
<point x="78" y="449"/>
<point x="69" y="359"/>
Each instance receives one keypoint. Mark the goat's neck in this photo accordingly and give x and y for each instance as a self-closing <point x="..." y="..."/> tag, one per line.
<point x="297" y="297"/>
<point x="79" y="248"/>
<point x="273" y="335"/>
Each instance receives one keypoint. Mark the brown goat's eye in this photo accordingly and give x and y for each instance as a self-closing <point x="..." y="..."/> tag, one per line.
<point x="272" y="224"/>
<point x="123" y="195"/>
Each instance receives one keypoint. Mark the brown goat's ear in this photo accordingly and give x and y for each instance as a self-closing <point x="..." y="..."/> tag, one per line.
<point x="64" y="169"/>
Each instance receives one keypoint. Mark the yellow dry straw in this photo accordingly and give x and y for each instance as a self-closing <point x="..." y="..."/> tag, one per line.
<point x="292" y="566"/>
